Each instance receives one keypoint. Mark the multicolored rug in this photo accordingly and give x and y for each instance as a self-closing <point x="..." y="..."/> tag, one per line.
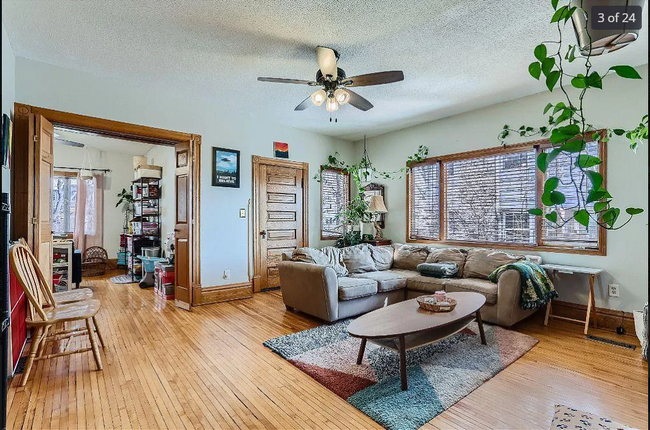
<point x="122" y="279"/>
<point x="439" y="374"/>
<point x="567" y="418"/>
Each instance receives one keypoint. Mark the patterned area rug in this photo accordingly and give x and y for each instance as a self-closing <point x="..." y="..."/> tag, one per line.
<point x="439" y="374"/>
<point x="122" y="279"/>
<point x="567" y="418"/>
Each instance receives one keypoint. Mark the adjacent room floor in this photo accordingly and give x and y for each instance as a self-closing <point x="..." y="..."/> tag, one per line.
<point x="168" y="368"/>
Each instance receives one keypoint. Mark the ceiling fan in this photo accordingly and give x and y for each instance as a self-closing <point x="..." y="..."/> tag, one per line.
<point x="67" y="142"/>
<point x="336" y="85"/>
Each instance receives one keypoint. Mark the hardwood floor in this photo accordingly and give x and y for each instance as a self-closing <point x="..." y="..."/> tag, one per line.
<point x="168" y="368"/>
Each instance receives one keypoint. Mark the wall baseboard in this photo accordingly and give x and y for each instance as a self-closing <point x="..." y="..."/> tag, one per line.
<point x="222" y="293"/>
<point x="608" y="319"/>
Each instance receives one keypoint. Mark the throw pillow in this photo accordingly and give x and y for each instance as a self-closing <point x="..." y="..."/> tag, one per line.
<point x="438" y="270"/>
<point x="409" y="256"/>
<point x="310" y="255"/>
<point x="335" y="260"/>
<point x="358" y="259"/>
<point x="481" y="262"/>
<point x="382" y="256"/>
<point x="449" y="255"/>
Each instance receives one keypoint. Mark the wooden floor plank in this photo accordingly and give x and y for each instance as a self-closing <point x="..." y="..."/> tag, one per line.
<point x="169" y="368"/>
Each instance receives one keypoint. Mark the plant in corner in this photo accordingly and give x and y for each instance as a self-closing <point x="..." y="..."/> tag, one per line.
<point x="126" y="200"/>
<point x="569" y="131"/>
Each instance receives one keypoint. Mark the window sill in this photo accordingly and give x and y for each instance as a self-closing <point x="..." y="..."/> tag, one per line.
<point x="531" y="248"/>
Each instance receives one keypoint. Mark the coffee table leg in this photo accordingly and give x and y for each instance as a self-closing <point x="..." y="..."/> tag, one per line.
<point x="402" y="362"/>
<point x="479" y="321"/>
<point x="362" y="349"/>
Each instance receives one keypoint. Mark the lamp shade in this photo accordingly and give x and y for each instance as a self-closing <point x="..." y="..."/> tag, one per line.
<point x="377" y="205"/>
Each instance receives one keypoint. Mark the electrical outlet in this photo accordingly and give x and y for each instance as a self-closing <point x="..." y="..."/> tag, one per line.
<point x="226" y="274"/>
<point x="614" y="290"/>
<point x="242" y="213"/>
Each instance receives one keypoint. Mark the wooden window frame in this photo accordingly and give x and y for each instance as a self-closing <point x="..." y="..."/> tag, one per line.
<point x="347" y="178"/>
<point x="538" y="145"/>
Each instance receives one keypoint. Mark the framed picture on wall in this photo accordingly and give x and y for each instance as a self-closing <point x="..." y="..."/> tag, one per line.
<point x="281" y="150"/>
<point x="225" y="167"/>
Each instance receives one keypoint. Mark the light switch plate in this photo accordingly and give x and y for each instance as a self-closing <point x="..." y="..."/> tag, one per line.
<point x="242" y="213"/>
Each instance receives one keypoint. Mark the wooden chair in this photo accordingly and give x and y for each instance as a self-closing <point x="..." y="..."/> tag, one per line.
<point x="44" y="312"/>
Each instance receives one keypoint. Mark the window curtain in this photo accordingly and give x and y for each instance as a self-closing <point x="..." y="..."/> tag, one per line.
<point x="89" y="213"/>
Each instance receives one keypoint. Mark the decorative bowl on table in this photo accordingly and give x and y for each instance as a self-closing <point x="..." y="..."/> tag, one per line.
<point x="433" y="304"/>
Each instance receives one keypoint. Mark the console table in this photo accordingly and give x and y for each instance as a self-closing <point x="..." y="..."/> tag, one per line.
<point x="591" y="305"/>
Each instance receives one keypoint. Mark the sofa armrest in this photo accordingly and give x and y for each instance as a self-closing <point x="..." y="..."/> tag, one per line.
<point x="310" y="288"/>
<point x="509" y="309"/>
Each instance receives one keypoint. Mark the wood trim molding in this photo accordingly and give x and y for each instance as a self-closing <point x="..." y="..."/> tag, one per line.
<point x="222" y="293"/>
<point x="608" y="319"/>
<point x="538" y="146"/>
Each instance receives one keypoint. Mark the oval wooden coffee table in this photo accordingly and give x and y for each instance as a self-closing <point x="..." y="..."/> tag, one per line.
<point x="405" y="325"/>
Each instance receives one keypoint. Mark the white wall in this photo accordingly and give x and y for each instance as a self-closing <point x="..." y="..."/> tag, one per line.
<point x="223" y="233"/>
<point x="119" y="177"/>
<point x="164" y="156"/>
<point x="621" y="104"/>
<point x="8" y="92"/>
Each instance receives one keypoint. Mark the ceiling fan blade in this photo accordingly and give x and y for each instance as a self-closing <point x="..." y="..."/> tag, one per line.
<point x="374" y="79"/>
<point x="327" y="61"/>
<point x="359" y="102"/>
<point x="304" y="104"/>
<point x="287" y="81"/>
<point x="69" y="143"/>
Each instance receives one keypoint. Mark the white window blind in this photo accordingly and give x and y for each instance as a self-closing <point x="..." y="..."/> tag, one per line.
<point x="570" y="234"/>
<point x="487" y="198"/>
<point x="424" y="202"/>
<point x="335" y="192"/>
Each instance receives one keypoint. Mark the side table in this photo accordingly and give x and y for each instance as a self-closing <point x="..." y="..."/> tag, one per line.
<point x="379" y="242"/>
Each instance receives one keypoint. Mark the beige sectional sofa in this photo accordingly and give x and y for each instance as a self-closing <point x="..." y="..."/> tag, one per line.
<point x="333" y="283"/>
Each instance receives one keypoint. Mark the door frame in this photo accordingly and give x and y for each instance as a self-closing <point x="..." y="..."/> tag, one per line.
<point x="122" y="130"/>
<point x="257" y="248"/>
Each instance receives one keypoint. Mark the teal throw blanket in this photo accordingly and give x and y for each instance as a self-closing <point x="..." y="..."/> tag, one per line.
<point x="536" y="288"/>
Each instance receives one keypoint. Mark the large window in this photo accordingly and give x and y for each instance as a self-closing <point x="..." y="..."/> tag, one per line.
<point x="335" y="195"/>
<point x="64" y="200"/>
<point x="483" y="197"/>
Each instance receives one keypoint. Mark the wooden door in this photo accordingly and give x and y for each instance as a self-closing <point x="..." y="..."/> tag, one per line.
<point x="43" y="171"/>
<point x="182" y="227"/>
<point x="281" y="213"/>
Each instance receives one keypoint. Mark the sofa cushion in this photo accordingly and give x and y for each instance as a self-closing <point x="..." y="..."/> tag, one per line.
<point x="358" y="259"/>
<point x="448" y="255"/>
<point x="426" y="284"/>
<point x="403" y="272"/>
<point x="438" y="270"/>
<point x="382" y="256"/>
<point x="386" y="281"/>
<point x="409" y="256"/>
<point x="481" y="286"/>
<point x="335" y="260"/>
<point x="309" y="255"/>
<point x="354" y="288"/>
<point x="481" y="262"/>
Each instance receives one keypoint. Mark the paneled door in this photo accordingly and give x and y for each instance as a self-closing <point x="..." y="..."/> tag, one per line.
<point x="280" y="215"/>
<point x="182" y="227"/>
<point x="43" y="171"/>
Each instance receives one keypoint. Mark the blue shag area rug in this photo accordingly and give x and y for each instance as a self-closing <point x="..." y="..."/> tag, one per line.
<point x="439" y="374"/>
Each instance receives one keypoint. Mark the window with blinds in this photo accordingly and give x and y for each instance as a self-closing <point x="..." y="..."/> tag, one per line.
<point x="571" y="234"/>
<point x="487" y="199"/>
<point x="424" y="202"/>
<point x="335" y="195"/>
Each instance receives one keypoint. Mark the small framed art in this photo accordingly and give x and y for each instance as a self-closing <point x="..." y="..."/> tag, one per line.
<point x="281" y="150"/>
<point x="225" y="167"/>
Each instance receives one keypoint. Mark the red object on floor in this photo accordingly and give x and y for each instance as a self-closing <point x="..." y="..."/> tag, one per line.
<point x="18" y="316"/>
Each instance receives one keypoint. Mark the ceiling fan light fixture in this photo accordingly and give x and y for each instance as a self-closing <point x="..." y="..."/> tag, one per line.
<point x="318" y="97"/>
<point x="332" y="104"/>
<point x="342" y="96"/>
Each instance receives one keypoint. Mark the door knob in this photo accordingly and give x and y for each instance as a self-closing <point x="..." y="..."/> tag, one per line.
<point x="263" y="234"/>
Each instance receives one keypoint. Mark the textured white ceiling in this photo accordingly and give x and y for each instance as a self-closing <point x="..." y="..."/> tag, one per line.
<point x="457" y="55"/>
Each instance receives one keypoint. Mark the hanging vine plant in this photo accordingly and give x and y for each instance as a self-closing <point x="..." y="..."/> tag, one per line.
<point x="569" y="131"/>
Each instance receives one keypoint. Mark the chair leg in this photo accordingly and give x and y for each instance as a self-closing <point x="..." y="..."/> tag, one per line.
<point x="99" y="333"/>
<point x="41" y="346"/>
<point x="37" y="337"/>
<point x="93" y="343"/>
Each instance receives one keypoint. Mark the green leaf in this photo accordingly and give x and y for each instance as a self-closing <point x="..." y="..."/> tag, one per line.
<point x="594" y="80"/>
<point x="541" y="162"/>
<point x="570" y="130"/>
<point x="535" y="69"/>
<point x="546" y="199"/>
<point x="559" y="14"/>
<point x="610" y="216"/>
<point x="540" y="52"/>
<point x="574" y="146"/>
<point x="579" y="82"/>
<point x="568" y="13"/>
<point x="634" y="211"/>
<point x="548" y="106"/>
<point x="551" y="184"/>
<point x="627" y="72"/>
<point x="536" y="212"/>
<point x="600" y="206"/>
<point x="595" y="178"/>
<point x="554" y="3"/>
<point x="618" y="131"/>
<point x="557" y="197"/>
<point x="571" y="55"/>
<point x="558" y="107"/>
<point x="552" y="216"/>
<point x="586" y="161"/>
<point x="595" y="195"/>
<point x="547" y="65"/>
<point x="582" y="217"/>
<point x="551" y="79"/>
